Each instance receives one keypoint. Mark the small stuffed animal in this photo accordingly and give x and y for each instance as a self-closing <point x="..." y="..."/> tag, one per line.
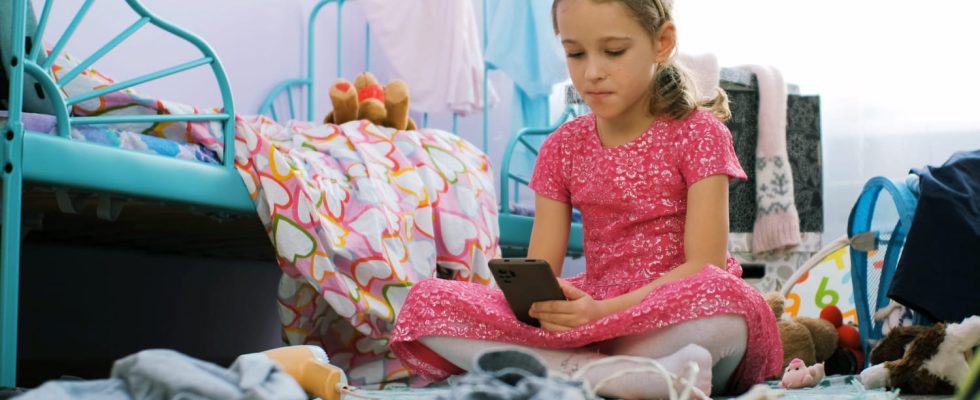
<point x="798" y="375"/>
<point x="892" y="316"/>
<point x="848" y="358"/>
<point x="892" y="346"/>
<point x="366" y="99"/>
<point x="396" y="103"/>
<point x="810" y="340"/>
<point x="933" y="362"/>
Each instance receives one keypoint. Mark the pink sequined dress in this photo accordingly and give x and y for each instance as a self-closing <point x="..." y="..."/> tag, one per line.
<point x="633" y="200"/>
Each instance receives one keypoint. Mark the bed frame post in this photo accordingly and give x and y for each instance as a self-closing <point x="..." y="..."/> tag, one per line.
<point x="12" y="187"/>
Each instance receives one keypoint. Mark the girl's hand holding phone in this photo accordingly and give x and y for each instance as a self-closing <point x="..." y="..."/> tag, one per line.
<point x="564" y="315"/>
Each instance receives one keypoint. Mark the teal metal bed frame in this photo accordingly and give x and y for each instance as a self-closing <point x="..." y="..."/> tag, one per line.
<point x="56" y="160"/>
<point x="515" y="229"/>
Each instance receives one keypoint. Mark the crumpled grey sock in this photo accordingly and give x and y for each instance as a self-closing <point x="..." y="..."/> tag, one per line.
<point x="514" y="374"/>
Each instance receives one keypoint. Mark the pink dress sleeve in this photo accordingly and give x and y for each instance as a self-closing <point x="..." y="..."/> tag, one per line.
<point x="550" y="177"/>
<point x="706" y="149"/>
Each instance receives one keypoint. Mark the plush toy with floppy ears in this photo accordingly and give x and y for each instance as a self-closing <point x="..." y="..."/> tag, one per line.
<point x="367" y="99"/>
<point x="932" y="359"/>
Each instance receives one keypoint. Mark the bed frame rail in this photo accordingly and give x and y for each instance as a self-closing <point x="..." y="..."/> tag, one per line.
<point x="59" y="161"/>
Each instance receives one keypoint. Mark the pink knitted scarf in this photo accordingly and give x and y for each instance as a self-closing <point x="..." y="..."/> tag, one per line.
<point x="777" y="223"/>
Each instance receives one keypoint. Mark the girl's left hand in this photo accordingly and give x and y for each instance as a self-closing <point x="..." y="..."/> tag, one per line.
<point x="579" y="309"/>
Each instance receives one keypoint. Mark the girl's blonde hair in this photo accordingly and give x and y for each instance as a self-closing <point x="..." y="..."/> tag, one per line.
<point x="671" y="90"/>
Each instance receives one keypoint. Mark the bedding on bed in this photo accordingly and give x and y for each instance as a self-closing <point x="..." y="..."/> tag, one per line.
<point x="115" y="137"/>
<point x="358" y="214"/>
<point x="195" y="140"/>
<point x="207" y="134"/>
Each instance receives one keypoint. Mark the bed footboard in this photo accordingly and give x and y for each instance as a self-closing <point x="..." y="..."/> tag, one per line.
<point x="59" y="161"/>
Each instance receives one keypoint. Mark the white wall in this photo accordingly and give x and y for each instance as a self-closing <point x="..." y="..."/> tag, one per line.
<point x="257" y="40"/>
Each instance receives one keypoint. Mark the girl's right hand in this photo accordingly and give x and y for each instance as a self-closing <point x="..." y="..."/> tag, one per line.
<point x="564" y="315"/>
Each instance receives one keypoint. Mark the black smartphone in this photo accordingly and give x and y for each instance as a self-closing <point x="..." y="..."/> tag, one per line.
<point x="524" y="282"/>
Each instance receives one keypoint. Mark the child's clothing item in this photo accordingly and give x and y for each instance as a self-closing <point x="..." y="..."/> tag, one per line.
<point x="610" y="376"/>
<point x="723" y="336"/>
<point x="720" y="339"/>
<point x="777" y="222"/>
<point x="939" y="269"/>
<point x="633" y="200"/>
<point x="167" y="374"/>
<point x="704" y="71"/>
<point x="522" y="43"/>
<point x="514" y="374"/>
<point x="434" y="45"/>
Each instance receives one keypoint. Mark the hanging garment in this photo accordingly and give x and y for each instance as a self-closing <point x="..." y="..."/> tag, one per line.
<point x="939" y="270"/>
<point x="777" y="222"/>
<point x="522" y="43"/>
<point x="704" y="71"/>
<point x="435" y="47"/>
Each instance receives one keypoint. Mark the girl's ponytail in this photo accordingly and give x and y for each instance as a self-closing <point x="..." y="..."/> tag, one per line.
<point x="673" y="93"/>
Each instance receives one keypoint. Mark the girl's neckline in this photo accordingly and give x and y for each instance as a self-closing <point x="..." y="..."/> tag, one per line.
<point x="632" y="143"/>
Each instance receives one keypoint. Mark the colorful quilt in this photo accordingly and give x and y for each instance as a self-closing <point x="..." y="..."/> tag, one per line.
<point x="357" y="214"/>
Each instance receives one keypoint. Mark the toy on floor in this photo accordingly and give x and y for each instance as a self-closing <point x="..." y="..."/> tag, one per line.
<point x="934" y="359"/>
<point x="311" y="368"/>
<point x="809" y="340"/>
<point x="892" y="346"/>
<point x="892" y="316"/>
<point x="797" y="375"/>
<point x="367" y="99"/>
<point x="848" y="357"/>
